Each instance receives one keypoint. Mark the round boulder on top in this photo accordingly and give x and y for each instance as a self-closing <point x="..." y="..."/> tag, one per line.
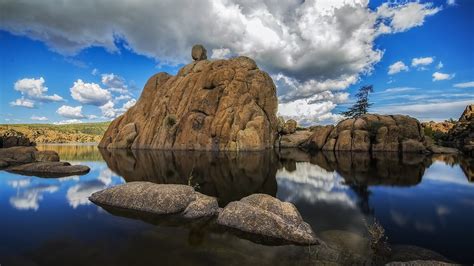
<point x="199" y="52"/>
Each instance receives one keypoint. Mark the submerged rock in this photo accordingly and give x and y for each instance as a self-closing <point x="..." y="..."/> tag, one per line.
<point x="50" y="169"/>
<point x="267" y="216"/>
<point x="209" y="105"/>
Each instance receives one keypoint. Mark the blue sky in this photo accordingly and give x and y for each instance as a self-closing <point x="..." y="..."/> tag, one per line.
<point x="85" y="63"/>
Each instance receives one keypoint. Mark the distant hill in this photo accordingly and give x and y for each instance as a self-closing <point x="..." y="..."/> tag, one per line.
<point x="49" y="133"/>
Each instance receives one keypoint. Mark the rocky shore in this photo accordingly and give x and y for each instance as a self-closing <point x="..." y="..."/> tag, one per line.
<point x="27" y="160"/>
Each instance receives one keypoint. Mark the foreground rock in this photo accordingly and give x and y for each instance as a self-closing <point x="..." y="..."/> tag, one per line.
<point x="370" y="132"/>
<point x="17" y="155"/>
<point x="208" y="105"/>
<point x="30" y="161"/>
<point x="258" y="217"/>
<point x="156" y="199"/>
<point x="267" y="216"/>
<point x="50" y="169"/>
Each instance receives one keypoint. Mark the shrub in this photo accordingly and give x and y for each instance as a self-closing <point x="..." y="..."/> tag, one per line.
<point x="170" y="120"/>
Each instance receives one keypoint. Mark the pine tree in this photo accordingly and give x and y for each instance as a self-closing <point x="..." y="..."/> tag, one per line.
<point x="362" y="104"/>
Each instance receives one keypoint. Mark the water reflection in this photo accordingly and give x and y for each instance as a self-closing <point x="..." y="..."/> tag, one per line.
<point x="227" y="176"/>
<point x="416" y="198"/>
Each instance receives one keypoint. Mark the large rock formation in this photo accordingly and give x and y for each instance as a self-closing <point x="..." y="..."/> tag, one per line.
<point x="461" y="135"/>
<point x="208" y="105"/>
<point x="371" y="132"/>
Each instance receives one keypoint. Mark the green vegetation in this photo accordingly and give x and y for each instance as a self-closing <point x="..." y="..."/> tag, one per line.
<point x="49" y="133"/>
<point x="436" y="136"/>
<point x="171" y="120"/>
<point x="362" y="105"/>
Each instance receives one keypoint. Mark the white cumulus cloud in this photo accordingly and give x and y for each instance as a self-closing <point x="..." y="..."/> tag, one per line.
<point x="35" y="89"/>
<point x="442" y="76"/>
<point x="220" y="53"/>
<point x="89" y="93"/>
<point x="440" y="65"/>
<point x="405" y="16"/>
<point x="397" y="67"/>
<point x="318" y="45"/>
<point x="114" y="83"/>
<point x="421" y="61"/>
<point x="23" y="103"/>
<point x="70" y="111"/>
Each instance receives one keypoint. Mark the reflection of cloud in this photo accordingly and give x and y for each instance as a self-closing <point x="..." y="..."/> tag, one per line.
<point x="30" y="197"/>
<point x="19" y="183"/>
<point x="398" y="218"/>
<point x="442" y="210"/>
<point x="424" y="226"/>
<point x="105" y="176"/>
<point x="79" y="194"/>
<point x="438" y="172"/>
<point x="69" y="178"/>
<point x="312" y="183"/>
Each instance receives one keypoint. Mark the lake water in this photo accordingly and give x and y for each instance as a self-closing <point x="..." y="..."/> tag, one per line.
<point x="420" y="201"/>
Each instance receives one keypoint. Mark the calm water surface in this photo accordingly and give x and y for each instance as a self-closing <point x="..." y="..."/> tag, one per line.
<point x="420" y="201"/>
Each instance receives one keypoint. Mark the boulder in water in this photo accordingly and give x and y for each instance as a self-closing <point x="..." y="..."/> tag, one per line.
<point x="266" y="216"/>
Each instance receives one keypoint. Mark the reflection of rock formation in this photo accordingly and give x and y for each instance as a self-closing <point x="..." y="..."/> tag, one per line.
<point x="467" y="166"/>
<point x="364" y="168"/>
<point x="227" y="176"/>
<point x="359" y="171"/>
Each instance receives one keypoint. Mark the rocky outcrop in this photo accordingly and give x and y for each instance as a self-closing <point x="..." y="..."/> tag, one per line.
<point x="461" y="135"/>
<point x="30" y="161"/>
<point x="294" y="140"/>
<point x="208" y="105"/>
<point x="267" y="216"/>
<point x="370" y="132"/>
<point x="441" y="127"/>
<point x="49" y="169"/>
<point x="289" y="127"/>
<point x="11" y="138"/>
